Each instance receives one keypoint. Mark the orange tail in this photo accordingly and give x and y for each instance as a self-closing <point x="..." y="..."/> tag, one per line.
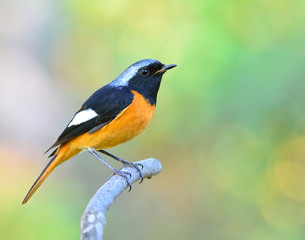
<point x="57" y="159"/>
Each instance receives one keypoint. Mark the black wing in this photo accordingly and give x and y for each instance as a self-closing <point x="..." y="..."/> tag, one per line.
<point x="107" y="102"/>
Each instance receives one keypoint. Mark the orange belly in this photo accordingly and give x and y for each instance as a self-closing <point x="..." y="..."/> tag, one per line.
<point x="127" y="125"/>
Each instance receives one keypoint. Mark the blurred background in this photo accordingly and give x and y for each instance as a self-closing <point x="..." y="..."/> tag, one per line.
<point x="229" y="127"/>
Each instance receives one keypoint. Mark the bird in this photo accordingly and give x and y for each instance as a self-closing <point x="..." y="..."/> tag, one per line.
<point x="112" y="115"/>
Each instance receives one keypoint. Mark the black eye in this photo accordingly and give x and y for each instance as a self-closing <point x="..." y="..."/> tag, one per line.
<point x="143" y="71"/>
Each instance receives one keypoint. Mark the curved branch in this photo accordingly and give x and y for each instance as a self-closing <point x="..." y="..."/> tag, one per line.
<point x="93" y="219"/>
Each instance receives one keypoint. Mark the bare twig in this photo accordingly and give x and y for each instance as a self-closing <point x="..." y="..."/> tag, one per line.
<point x="93" y="219"/>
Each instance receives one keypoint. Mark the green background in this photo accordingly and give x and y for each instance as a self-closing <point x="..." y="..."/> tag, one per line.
<point x="229" y="127"/>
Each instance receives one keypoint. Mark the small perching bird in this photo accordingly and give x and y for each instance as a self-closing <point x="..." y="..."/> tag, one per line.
<point x="114" y="114"/>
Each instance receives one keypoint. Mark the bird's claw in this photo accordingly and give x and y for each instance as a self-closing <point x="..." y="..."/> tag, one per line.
<point x="137" y="167"/>
<point x="123" y="174"/>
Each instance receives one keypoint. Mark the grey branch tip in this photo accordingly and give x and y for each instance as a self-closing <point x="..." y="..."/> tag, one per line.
<point x="93" y="219"/>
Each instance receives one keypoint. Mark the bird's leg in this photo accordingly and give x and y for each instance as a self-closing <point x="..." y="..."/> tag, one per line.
<point x="120" y="173"/>
<point x="135" y="165"/>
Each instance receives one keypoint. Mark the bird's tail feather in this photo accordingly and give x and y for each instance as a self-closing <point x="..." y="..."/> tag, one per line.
<point x="57" y="159"/>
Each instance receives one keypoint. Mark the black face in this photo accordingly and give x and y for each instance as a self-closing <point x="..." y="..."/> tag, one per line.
<point x="147" y="80"/>
<point x="150" y="69"/>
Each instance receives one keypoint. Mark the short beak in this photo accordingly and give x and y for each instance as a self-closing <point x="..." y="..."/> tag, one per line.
<point x="165" y="68"/>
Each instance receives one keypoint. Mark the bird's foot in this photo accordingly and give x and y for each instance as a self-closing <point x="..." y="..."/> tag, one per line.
<point x="117" y="172"/>
<point x="137" y="166"/>
<point x="125" y="175"/>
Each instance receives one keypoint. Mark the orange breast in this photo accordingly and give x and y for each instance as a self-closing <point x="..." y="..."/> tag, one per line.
<point x="127" y="125"/>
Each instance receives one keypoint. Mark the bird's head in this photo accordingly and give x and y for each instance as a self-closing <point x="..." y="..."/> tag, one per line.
<point x="143" y="76"/>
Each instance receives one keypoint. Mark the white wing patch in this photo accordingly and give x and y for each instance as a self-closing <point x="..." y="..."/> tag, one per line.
<point x="82" y="117"/>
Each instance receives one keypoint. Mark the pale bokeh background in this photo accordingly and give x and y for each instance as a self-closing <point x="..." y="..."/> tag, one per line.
<point x="229" y="127"/>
